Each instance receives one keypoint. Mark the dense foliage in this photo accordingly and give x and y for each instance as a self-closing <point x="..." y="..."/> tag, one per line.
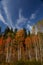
<point x="19" y="48"/>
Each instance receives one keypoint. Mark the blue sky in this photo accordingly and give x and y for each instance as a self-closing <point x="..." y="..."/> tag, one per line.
<point x="20" y="13"/>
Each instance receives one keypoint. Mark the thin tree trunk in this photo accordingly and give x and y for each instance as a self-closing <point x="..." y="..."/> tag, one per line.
<point x="40" y="49"/>
<point x="30" y="55"/>
<point x="19" y="52"/>
<point x="36" y="54"/>
<point x="10" y="52"/>
<point x="36" y="51"/>
<point x="40" y="53"/>
<point x="7" y="54"/>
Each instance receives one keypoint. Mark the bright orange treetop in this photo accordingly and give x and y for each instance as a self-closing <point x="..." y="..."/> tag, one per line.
<point x="1" y="40"/>
<point x="28" y="41"/>
<point x="8" y="40"/>
<point x="20" y="36"/>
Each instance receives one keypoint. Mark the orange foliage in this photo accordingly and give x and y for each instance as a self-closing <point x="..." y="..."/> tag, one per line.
<point x="28" y="42"/>
<point x="1" y="40"/>
<point x="8" y="40"/>
<point x="34" y="38"/>
<point x="20" y="35"/>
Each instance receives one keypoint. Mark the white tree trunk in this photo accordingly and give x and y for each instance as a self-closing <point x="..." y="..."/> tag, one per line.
<point x="8" y="53"/>
<point x="19" y="53"/>
<point x="36" y="54"/>
<point x="30" y="55"/>
<point x="40" y="44"/>
<point x="40" y="52"/>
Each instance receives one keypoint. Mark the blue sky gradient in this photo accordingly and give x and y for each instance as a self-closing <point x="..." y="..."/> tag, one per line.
<point x="20" y="13"/>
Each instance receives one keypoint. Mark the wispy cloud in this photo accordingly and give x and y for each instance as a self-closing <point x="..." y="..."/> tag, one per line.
<point x="33" y="16"/>
<point x="7" y="13"/>
<point x="21" y="20"/>
<point x="29" y="27"/>
<point x="3" y="20"/>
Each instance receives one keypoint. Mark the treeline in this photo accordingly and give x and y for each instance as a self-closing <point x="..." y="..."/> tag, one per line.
<point x="18" y="45"/>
